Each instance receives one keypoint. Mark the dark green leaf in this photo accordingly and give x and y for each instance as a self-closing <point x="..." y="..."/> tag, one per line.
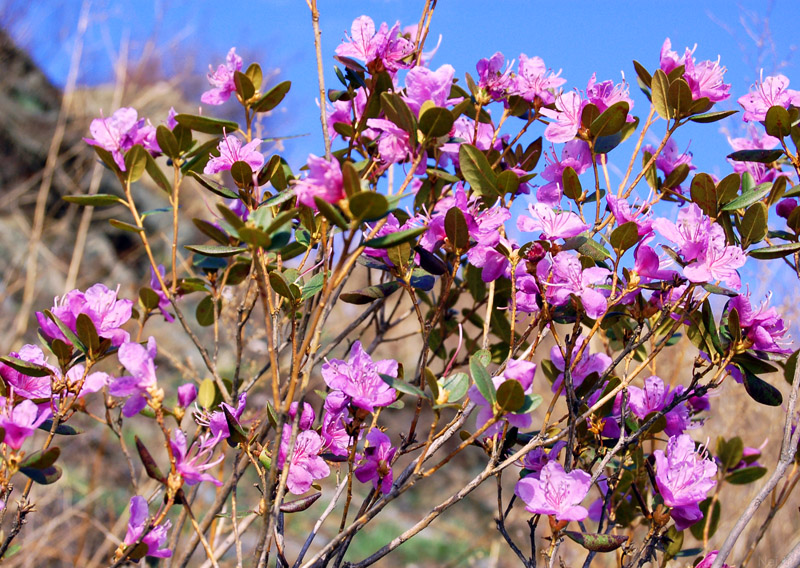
<point x="255" y="236"/>
<point x="213" y="186"/>
<point x="481" y="378"/>
<point x="397" y="111"/>
<point x="68" y="333"/>
<point x="272" y="98"/>
<point x="571" y="183"/>
<point x="149" y="298"/>
<point x="402" y="386"/>
<point x="587" y="247"/>
<point x="41" y="459"/>
<point x="753" y="227"/>
<point x="698" y="528"/>
<point x="244" y="86"/>
<point x="61" y="429"/>
<point x="679" y="98"/>
<point x="331" y="213"/>
<point x="597" y="542"/>
<point x="510" y="396"/>
<point x="777" y="122"/>
<point x="748" y="197"/>
<point x="776" y="251"/>
<point x="281" y="285"/>
<point x="97" y="200"/>
<point x="625" y="237"/>
<point x="87" y="333"/>
<point x="42" y="476"/>
<point x="135" y="162"/>
<point x="761" y="156"/>
<point x="660" y="87"/>
<point x="476" y="170"/>
<point x="122" y="225"/>
<point x="26" y="368"/>
<point x="456" y="229"/>
<point x="368" y="206"/>
<point x="712" y="116"/>
<point x="642" y="73"/>
<point x="215" y="251"/>
<point x="242" y="173"/>
<point x="206" y="125"/>
<point x="369" y="294"/>
<point x="436" y="122"/>
<point x="211" y="231"/>
<point x="760" y="390"/>
<point x="394" y="239"/>
<point x="150" y="465"/>
<point x="351" y="178"/>
<point x="746" y="475"/>
<point x="610" y="121"/>
<point x="301" y="504"/>
<point x="205" y="312"/>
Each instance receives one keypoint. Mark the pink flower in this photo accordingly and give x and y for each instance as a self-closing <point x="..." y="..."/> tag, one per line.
<point x="533" y="80"/>
<point x="231" y="151"/>
<point x="305" y="465"/>
<point x="139" y="362"/>
<point x="324" y="180"/>
<point x="23" y="385"/>
<point x="192" y="470"/>
<point x="492" y="78"/>
<point x="535" y="460"/>
<point x="705" y="79"/>
<point x="386" y="46"/>
<point x="654" y="397"/>
<point x="155" y="285"/>
<point x="121" y="132"/>
<point x="589" y="363"/>
<point x="576" y="155"/>
<point x="222" y="80"/>
<point x="769" y="92"/>
<point x="552" y="225"/>
<point x="155" y="539"/>
<point x="556" y="492"/>
<point x="464" y="131"/>
<point x="762" y="326"/>
<point x="394" y="145"/>
<point x="377" y="464"/>
<point x="334" y="434"/>
<point x="606" y="94"/>
<point x="107" y="313"/>
<point x="359" y="378"/>
<point x="423" y="84"/>
<point x="567" y="117"/>
<point x="670" y="158"/>
<point x="346" y="112"/>
<point x="683" y="478"/>
<point x="623" y="214"/>
<point x="670" y="59"/>
<point x="564" y="277"/>
<point x="217" y="422"/>
<point x="21" y="421"/>
<point x="709" y="560"/>
<point x="187" y="393"/>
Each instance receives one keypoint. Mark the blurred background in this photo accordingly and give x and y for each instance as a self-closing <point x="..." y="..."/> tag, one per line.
<point x="66" y="62"/>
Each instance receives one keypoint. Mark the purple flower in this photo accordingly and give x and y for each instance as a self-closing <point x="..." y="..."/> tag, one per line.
<point x="492" y="78"/>
<point x="464" y="130"/>
<point x="567" y="118"/>
<point x="217" y="422"/>
<point x="670" y="59"/>
<point x="307" y="416"/>
<point x="21" y="421"/>
<point x="139" y="362"/>
<point x="385" y="47"/>
<point x="533" y="80"/>
<point x="762" y="327"/>
<point x="535" y="460"/>
<point x="552" y="225"/>
<point x="705" y="79"/>
<point x="121" y="132"/>
<point x="305" y="465"/>
<point x="785" y="207"/>
<point x="769" y="92"/>
<point x="222" y="80"/>
<point x="423" y="84"/>
<point x="192" y="469"/>
<point x="576" y="155"/>
<point x="23" y="385"/>
<point x="231" y="151"/>
<point x="155" y="539"/>
<point x="518" y="370"/>
<point x="324" y="180"/>
<point x="670" y="158"/>
<point x="394" y="145"/>
<point x="187" y="392"/>
<point x="108" y="314"/>
<point x="606" y="94"/>
<point x="649" y="267"/>
<point x="346" y="112"/>
<point x="709" y="560"/>
<point x="359" y="378"/>
<point x="392" y="225"/>
<point x="589" y="363"/>
<point x="702" y="244"/>
<point x="155" y="285"/>
<point x="623" y="214"/>
<point x="377" y="464"/>
<point x="556" y="492"/>
<point x="334" y="434"/>
<point x="565" y="276"/>
<point x="654" y="397"/>
<point x="684" y="477"/>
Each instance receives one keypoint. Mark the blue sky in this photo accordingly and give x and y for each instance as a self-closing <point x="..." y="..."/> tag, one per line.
<point x="579" y="37"/>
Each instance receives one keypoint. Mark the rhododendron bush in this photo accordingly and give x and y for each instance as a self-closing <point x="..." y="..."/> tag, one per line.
<point x="472" y="215"/>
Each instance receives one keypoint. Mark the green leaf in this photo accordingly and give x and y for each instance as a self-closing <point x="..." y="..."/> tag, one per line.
<point x="507" y="182"/>
<point x="587" y="246"/>
<point x="510" y="396"/>
<point x="26" y="368"/>
<point x="698" y="528"/>
<point x="660" y="87"/>
<point x="281" y="285"/>
<point x="597" y="542"/>
<point x="149" y="298"/>
<point x="61" y="429"/>
<point x="41" y="459"/>
<point x="397" y="111"/>
<point x="571" y="183"/>
<point x="402" y="386"/>
<point x="313" y="286"/>
<point x="205" y="312"/>
<point x="746" y="475"/>
<point x="42" y="476"/>
<point x="748" y="197"/>
<point x="206" y="124"/>
<point x="211" y="231"/>
<point x="776" y="251"/>
<point x="679" y="98"/>
<point x="456" y="229"/>
<point x="481" y="377"/>
<point x="624" y="237"/>
<point x="611" y="120"/>
<point x="730" y="451"/>
<point x="760" y="390"/>
<point x="96" y="200"/>
<point x="207" y="394"/>
<point x="761" y="156"/>
<point x="777" y="122"/>
<point x="122" y="225"/>
<point x="244" y="86"/>
<point x="216" y="251"/>
<point x="242" y="173"/>
<point x="213" y="186"/>
<point x="351" y="178"/>
<point x="255" y="236"/>
<point x="394" y="239"/>
<point x="704" y="193"/>
<point x="455" y="385"/>
<point x="476" y="170"/>
<point x="135" y="162"/>
<point x="272" y="98"/>
<point x="331" y="213"/>
<point x="369" y="294"/>
<point x="712" y="116"/>
<point x="68" y="333"/>
<point x="753" y="227"/>
<point x="436" y="122"/>
<point x="87" y="333"/>
<point x="368" y="206"/>
<point x="642" y="73"/>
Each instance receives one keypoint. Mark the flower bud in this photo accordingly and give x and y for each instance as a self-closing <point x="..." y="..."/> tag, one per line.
<point x="186" y="394"/>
